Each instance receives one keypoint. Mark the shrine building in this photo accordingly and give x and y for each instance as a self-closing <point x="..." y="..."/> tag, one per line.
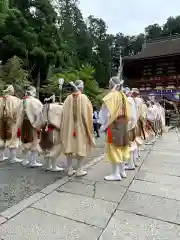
<point x="156" y="69"/>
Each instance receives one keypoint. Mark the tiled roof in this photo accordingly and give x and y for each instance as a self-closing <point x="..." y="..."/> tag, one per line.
<point x="158" y="48"/>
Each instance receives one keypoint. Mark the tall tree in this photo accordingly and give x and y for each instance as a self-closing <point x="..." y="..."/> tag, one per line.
<point x="16" y="35"/>
<point x="153" y="31"/>
<point x="172" y="26"/>
<point x="51" y="37"/>
<point x="4" y="5"/>
<point x="101" y="47"/>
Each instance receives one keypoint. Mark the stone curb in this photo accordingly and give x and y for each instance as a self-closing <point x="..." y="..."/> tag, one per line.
<point x="14" y="210"/>
<point x="2" y="220"/>
<point x="19" y="207"/>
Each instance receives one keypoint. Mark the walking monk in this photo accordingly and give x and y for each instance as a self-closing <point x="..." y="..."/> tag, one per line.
<point x="50" y="136"/>
<point x="9" y="123"/>
<point x="77" y="128"/>
<point x="131" y="131"/>
<point x="31" y="122"/>
<point x="114" y="117"/>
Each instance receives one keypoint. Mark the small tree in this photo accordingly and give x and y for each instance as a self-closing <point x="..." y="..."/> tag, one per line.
<point x="13" y="73"/>
<point x="85" y="73"/>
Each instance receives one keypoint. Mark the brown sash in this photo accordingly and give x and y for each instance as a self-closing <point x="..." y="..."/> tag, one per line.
<point x="132" y="135"/>
<point x="142" y="128"/>
<point x="5" y="124"/>
<point x="27" y="130"/>
<point x="46" y="140"/>
<point x="152" y="125"/>
<point x="119" y="132"/>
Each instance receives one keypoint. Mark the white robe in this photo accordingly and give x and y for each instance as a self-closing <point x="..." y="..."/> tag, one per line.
<point x="34" y="113"/>
<point x="104" y="116"/>
<point x="152" y="114"/>
<point x="134" y="114"/>
<point x="138" y="102"/>
<point x="162" y="111"/>
<point x="54" y="118"/>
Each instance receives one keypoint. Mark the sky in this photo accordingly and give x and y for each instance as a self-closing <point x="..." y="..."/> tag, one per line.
<point x="130" y="16"/>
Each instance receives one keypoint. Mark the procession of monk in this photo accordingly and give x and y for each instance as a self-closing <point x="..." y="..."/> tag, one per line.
<point x="53" y="129"/>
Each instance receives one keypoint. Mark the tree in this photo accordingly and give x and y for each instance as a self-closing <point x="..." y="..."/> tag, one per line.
<point x="172" y="26"/>
<point x="85" y="73"/>
<point x="13" y="72"/>
<point x="4" y="5"/>
<point x="51" y="38"/>
<point x="136" y="43"/>
<point x="101" y="47"/>
<point x="153" y="31"/>
<point x="17" y="37"/>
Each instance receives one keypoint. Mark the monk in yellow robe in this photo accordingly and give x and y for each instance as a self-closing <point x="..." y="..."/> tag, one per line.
<point x="114" y="117"/>
<point x="77" y="128"/>
<point x="9" y="123"/>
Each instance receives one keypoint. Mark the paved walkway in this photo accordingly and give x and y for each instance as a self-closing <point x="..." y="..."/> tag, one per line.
<point x="18" y="182"/>
<point x="145" y="206"/>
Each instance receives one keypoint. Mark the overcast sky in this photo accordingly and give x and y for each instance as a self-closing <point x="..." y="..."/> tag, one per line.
<point x="130" y="16"/>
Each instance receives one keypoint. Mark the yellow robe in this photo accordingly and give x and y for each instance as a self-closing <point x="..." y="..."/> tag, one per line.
<point x="115" y="101"/>
<point x="12" y="107"/>
<point x="80" y="144"/>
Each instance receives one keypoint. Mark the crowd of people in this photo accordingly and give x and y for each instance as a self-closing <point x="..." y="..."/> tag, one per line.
<point x="53" y="129"/>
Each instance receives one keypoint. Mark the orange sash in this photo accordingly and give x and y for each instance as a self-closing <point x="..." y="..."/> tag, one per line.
<point x="75" y="95"/>
<point x="109" y="135"/>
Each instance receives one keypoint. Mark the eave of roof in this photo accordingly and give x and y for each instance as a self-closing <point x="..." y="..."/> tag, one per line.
<point x="159" y="48"/>
<point x="133" y="58"/>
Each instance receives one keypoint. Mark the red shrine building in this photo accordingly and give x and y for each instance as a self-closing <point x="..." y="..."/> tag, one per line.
<point x="156" y="69"/>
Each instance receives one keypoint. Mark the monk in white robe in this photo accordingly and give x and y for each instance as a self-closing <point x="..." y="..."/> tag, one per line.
<point x="114" y="117"/>
<point x="163" y="121"/>
<point x="132" y="133"/>
<point x="141" y="116"/>
<point x="31" y="122"/>
<point x="159" y="121"/>
<point x="138" y="102"/>
<point x="50" y="136"/>
<point x="151" y="117"/>
<point x="77" y="128"/>
<point x="9" y="123"/>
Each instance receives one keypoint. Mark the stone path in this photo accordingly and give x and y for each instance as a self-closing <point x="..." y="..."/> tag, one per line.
<point x="145" y="206"/>
<point x="18" y="182"/>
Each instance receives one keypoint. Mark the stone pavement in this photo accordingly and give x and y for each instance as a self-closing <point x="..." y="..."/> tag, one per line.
<point x="145" y="206"/>
<point x="18" y="182"/>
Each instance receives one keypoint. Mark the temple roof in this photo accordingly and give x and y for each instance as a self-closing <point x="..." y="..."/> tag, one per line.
<point x="158" y="48"/>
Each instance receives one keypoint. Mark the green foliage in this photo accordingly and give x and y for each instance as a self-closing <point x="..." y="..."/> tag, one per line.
<point x="4" y="5"/>
<point x="13" y="73"/>
<point x="51" y="39"/>
<point x="85" y="73"/>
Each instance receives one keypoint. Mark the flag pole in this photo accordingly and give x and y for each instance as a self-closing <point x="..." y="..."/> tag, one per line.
<point x="120" y="69"/>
